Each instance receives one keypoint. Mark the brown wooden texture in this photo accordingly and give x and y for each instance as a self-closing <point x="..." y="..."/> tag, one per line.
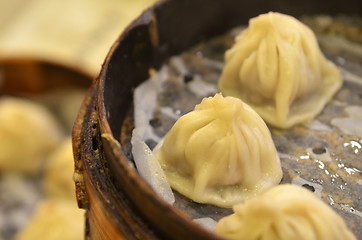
<point x="24" y="76"/>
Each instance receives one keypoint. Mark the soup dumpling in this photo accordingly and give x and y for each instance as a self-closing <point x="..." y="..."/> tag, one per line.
<point x="284" y="212"/>
<point x="28" y="134"/>
<point x="276" y="67"/>
<point x="220" y="153"/>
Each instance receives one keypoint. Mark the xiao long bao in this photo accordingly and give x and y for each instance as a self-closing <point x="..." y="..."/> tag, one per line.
<point x="276" y="67"/>
<point x="220" y="153"/>
<point x="284" y="212"/>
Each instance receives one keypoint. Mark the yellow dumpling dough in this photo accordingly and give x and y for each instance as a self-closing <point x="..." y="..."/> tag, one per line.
<point x="55" y="219"/>
<point x="284" y="212"/>
<point x="59" y="169"/>
<point x="221" y="153"/>
<point x="28" y="133"/>
<point x="276" y="67"/>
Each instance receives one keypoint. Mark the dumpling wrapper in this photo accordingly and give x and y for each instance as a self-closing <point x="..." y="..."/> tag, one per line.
<point x="220" y="153"/>
<point x="55" y="219"/>
<point x="59" y="169"/>
<point x="277" y="68"/>
<point x="284" y="212"/>
<point x="28" y="133"/>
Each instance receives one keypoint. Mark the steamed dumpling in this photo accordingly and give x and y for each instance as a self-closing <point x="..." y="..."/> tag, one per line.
<point x="55" y="219"/>
<point x="284" y="212"/>
<point x="277" y="68"/>
<point x="28" y="133"/>
<point x="59" y="169"/>
<point x="221" y="153"/>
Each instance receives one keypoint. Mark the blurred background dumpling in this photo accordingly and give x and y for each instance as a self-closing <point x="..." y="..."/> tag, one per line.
<point x="284" y="212"/>
<point x="55" y="219"/>
<point x="58" y="172"/>
<point x="276" y="67"/>
<point x="220" y="153"/>
<point x="28" y="133"/>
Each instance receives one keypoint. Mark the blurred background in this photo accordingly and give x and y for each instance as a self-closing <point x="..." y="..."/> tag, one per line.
<point x="74" y="32"/>
<point x="50" y="51"/>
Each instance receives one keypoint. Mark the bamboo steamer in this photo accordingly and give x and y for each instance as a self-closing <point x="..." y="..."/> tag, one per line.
<point x="24" y="76"/>
<point x="119" y="204"/>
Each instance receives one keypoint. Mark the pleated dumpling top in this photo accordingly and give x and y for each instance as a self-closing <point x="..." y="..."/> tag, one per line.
<point x="284" y="212"/>
<point x="221" y="153"/>
<point x="277" y="67"/>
